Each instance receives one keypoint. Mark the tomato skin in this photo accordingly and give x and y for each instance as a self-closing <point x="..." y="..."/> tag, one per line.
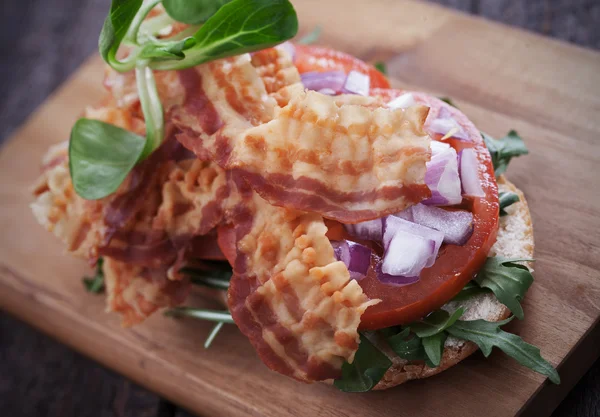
<point x="456" y="265"/>
<point x="320" y="59"/>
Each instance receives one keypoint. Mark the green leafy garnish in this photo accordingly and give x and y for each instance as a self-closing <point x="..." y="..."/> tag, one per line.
<point x="192" y="12"/>
<point x="424" y="340"/>
<point x="448" y="100"/>
<point x="100" y="157"/>
<point x="367" y="369"/>
<point x="381" y="67"/>
<point x="121" y="16"/>
<point x="95" y="284"/>
<point x="486" y="335"/>
<point x="435" y="323"/>
<point x="506" y="199"/>
<point x="238" y="27"/>
<point x="312" y="37"/>
<point x="503" y="150"/>
<point x="508" y="280"/>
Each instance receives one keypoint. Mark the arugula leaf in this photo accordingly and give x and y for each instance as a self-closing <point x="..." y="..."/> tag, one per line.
<point x="367" y="369"/>
<point x="100" y="157"/>
<point x="503" y="150"/>
<point x="192" y="12"/>
<point x="486" y="335"/>
<point x="312" y="37"/>
<point x="508" y="280"/>
<point x="95" y="284"/>
<point x="469" y="290"/>
<point x="507" y="198"/>
<point x="166" y="50"/>
<point x="381" y="67"/>
<point x="121" y="16"/>
<point x="409" y="346"/>
<point x="449" y="101"/>
<point x="212" y="279"/>
<point x="434" y="348"/>
<point x="237" y="27"/>
<point x="435" y="323"/>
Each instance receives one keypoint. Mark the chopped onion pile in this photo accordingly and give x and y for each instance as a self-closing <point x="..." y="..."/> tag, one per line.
<point x="445" y="124"/>
<point x="469" y="173"/>
<point x="355" y="256"/>
<point x="442" y="176"/>
<point x="337" y="82"/>
<point x="370" y="230"/>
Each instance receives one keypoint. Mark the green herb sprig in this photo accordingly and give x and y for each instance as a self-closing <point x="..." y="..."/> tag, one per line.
<point x="507" y="199"/>
<point x="504" y="149"/>
<point x="101" y="155"/>
<point x="95" y="284"/>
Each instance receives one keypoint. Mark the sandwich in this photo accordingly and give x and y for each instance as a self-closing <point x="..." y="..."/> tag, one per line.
<point x="356" y="234"/>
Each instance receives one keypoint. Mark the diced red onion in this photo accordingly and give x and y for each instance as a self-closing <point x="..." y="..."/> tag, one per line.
<point x="328" y="91"/>
<point x="407" y="254"/>
<point x="393" y="226"/>
<point x="357" y="83"/>
<point x="457" y="226"/>
<point x="333" y="80"/>
<point x="355" y="256"/>
<point x="402" y="102"/>
<point x="442" y="176"/>
<point x="397" y="281"/>
<point x="469" y="173"/>
<point x="445" y="123"/>
<point x="369" y="230"/>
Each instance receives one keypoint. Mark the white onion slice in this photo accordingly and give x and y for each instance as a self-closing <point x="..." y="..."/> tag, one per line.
<point x="457" y="226"/>
<point x="357" y="83"/>
<point x="355" y="256"/>
<point x="402" y="102"/>
<point x="369" y="230"/>
<point x="442" y="176"/>
<point x="393" y="225"/>
<point x="469" y="173"/>
<point x="445" y="123"/>
<point x="333" y="80"/>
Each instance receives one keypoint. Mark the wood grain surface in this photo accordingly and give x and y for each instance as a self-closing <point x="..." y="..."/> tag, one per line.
<point x="562" y="138"/>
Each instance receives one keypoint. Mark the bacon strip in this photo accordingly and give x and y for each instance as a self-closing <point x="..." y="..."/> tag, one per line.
<point x="290" y="296"/>
<point x="343" y="157"/>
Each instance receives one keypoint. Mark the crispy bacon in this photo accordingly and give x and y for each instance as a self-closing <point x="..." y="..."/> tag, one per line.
<point x="136" y="292"/>
<point x="290" y="296"/>
<point x="345" y="157"/>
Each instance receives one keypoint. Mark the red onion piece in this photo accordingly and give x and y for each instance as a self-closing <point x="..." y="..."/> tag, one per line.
<point x="355" y="256"/>
<point x="469" y="173"/>
<point x="393" y="225"/>
<point x="357" y="83"/>
<point x="402" y="102"/>
<point x="397" y="281"/>
<point x="407" y="254"/>
<point x="369" y="230"/>
<point x="457" y="226"/>
<point x="442" y="176"/>
<point x="332" y="80"/>
<point x="445" y="123"/>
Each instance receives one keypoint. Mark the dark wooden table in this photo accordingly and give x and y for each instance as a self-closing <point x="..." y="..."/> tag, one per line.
<point x="42" y="42"/>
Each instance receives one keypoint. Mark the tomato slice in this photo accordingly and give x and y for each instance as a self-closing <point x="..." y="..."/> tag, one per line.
<point x="456" y="265"/>
<point x="319" y="58"/>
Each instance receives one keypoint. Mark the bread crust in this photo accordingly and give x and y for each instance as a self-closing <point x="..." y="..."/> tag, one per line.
<point x="517" y="224"/>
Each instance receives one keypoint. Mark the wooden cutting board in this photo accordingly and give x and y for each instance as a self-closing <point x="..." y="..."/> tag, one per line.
<point x="502" y="78"/>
